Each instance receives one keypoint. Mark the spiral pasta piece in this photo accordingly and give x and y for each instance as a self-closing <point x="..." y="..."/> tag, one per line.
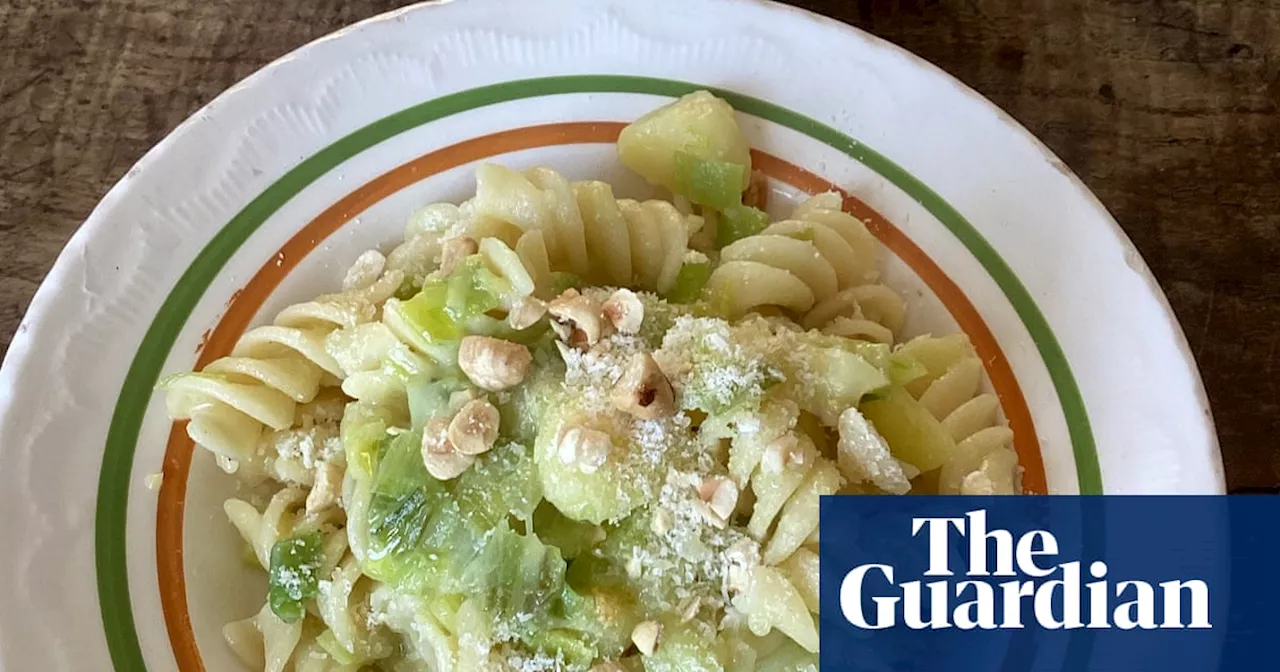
<point x="820" y="264"/>
<point x="769" y="599"/>
<point x="659" y="237"/>
<point x="798" y="518"/>
<point x="951" y="390"/>
<point x="263" y="641"/>
<point x="507" y="265"/>
<point x="338" y="604"/>
<point x="419" y="253"/>
<point x="788" y="476"/>
<point x="270" y="371"/>
<point x="801" y="569"/>
<point x="785" y="513"/>
<point x="743" y="286"/>
<point x="582" y="229"/>
<point x="262" y="529"/>
<point x="855" y="263"/>
<point x="344" y="609"/>
<point x="780" y="592"/>
<point x="429" y="629"/>
<point x="799" y="258"/>
<point x="536" y="200"/>
<point x="608" y="233"/>
<point x="867" y="312"/>
<point x="566" y="219"/>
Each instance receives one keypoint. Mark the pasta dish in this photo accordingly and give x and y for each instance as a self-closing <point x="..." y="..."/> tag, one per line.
<point x="554" y="429"/>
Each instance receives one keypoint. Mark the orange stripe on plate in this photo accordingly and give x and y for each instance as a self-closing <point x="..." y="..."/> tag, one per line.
<point x="247" y="302"/>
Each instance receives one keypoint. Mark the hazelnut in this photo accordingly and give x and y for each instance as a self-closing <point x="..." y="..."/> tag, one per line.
<point x="737" y="578"/>
<point x="578" y="318"/>
<point x="438" y="455"/>
<point x="719" y="497"/>
<point x="586" y="448"/>
<point x="781" y="454"/>
<point x="647" y="636"/>
<point x="492" y="363"/>
<point x="624" y="311"/>
<point x="327" y="488"/>
<point x="447" y="466"/>
<point x="435" y="437"/>
<point x="455" y="250"/>
<point x="474" y="429"/>
<point x="643" y="390"/>
<point x="526" y="312"/>
<point x="563" y="331"/>
<point x="740" y="558"/>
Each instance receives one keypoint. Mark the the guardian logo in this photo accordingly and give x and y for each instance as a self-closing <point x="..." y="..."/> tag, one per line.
<point x="1040" y="588"/>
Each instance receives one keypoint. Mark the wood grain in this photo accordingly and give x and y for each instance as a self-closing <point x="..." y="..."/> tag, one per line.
<point x="1168" y="109"/>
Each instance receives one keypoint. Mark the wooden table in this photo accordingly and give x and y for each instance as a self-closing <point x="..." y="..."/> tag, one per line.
<point x="1168" y="109"/>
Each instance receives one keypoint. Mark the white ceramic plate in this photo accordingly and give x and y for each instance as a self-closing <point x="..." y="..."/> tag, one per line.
<point x="265" y="195"/>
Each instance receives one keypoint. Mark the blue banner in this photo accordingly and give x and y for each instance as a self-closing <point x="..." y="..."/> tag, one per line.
<point x="1050" y="584"/>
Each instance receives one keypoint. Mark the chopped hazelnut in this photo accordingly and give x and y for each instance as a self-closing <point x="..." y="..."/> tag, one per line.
<point x="447" y="466"/>
<point x="579" y="317"/>
<point x="719" y="497"/>
<point x="624" y="311"/>
<point x="435" y="437"/>
<point x="492" y="363"/>
<point x="647" y="636"/>
<point x="438" y="455"/>
<point x="474" y="429"/>
<point x="782" y="453"/>
<point x="586" y="448"/>
<point x="455" y="250"/>
<point x="643" y="390"/>
<point x="327" y="488"/>
<point x="526" y="312"/>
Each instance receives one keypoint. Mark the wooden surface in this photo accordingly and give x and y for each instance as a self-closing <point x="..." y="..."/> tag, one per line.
<point x="1169" y="110"/>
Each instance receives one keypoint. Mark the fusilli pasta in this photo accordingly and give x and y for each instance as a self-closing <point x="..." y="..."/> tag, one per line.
<point x="270" y="371"/>
<point x="582" y="229"/>
<point x="820" y="264"/>
<point x="787" y="475"/>
<point x="951" y="391"/>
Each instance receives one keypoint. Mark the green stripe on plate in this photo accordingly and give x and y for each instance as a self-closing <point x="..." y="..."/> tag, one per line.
<point x="144" y="371"/>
